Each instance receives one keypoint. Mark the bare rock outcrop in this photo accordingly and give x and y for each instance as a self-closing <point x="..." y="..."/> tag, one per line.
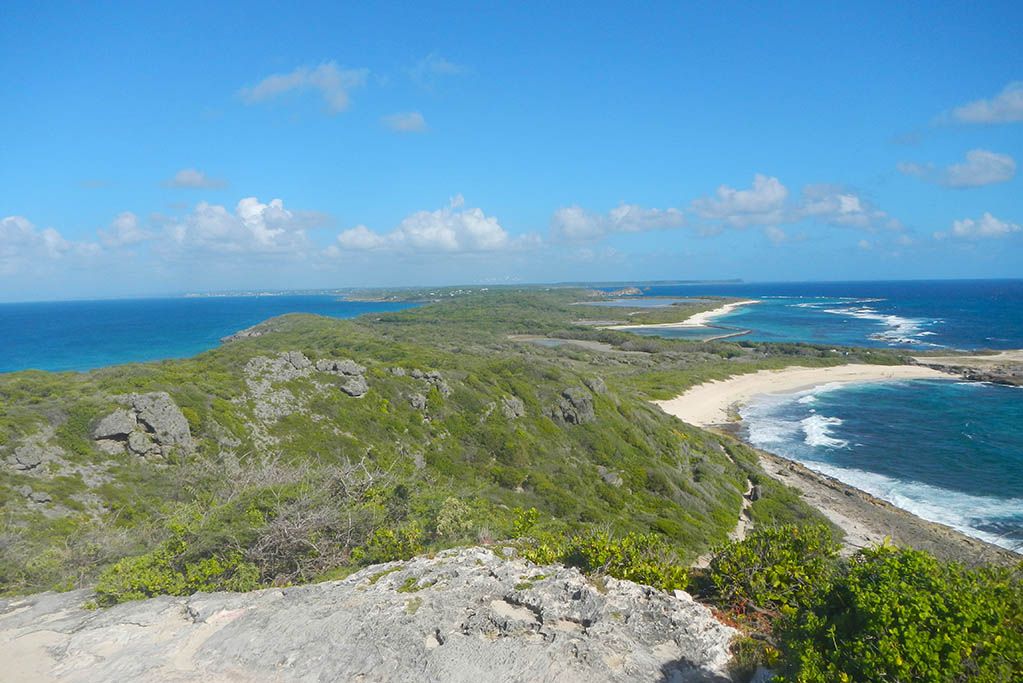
<point x="462" y="615"/>
<point x="574" y="406"/>
<point x="152" y="425"/>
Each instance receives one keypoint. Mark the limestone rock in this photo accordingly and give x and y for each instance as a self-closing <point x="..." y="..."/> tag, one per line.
<point x="355" y="386"/>
<point x="118" y="424"/>
<point x="463" y="615"/>
<point x="574" y="406"/>
<point x="340" y="367"/>
<point x="418" y="402"/>
<point x="28" y="457"/>
<point x="140" y="443"/>
<point x="596" y="385"/>
<point x="40" y="497"/>
<point x="513" y="407"/>
<point x="158" y="413"/>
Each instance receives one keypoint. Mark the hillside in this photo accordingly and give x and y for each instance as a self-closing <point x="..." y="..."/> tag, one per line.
<point x="312" y="446"/>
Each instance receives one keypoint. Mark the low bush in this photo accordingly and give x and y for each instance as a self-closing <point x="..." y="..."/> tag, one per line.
<point x="775" y="568"/>
<point x="902" y="615"/>
<point x="643" y="558"/>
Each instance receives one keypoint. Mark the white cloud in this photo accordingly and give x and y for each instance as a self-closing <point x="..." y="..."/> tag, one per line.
<point x="864" y="244"/>
<point x="1006" y="107"/>
<point x="763" y="204"/>
<point x="428" y="69"/>
<point x="987" y="226"/>
<point x="253" y="227"/>
<point x="124" y="231"/>
<point x="409" y="122"/>
<point x="980" y="168"/>
<point x="836" y="205"/>
<point x="573" y="223"/>
<point x="23" y="248"/>
<point x="197" y="180"/>
<point x="451" y="229"/>
<point x="330" y="81"/>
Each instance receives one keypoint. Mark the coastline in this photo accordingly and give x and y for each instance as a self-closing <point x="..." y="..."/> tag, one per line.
<point x="865" y="519"/>
<point x="710" y="403"/>
<point x="696" y="320"/>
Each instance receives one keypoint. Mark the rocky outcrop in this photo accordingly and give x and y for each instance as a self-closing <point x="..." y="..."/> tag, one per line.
<point x="574" y="406"/>
<point x="513" y="407"/>
<point x="152" y="426"/>
<point x="463" y="615"/>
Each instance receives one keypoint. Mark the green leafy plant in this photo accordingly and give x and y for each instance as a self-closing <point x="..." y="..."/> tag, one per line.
<point x="776" y="568"/>
<point x="902" y="615"/>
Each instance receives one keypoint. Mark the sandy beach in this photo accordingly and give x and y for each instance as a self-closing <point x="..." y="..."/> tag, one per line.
<point x="709" y="403"/>
<point x="865" y="519"/>
<point x="695" y="320"/>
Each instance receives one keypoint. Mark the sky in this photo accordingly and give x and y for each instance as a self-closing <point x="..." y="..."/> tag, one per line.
<point x="151" y="150"/>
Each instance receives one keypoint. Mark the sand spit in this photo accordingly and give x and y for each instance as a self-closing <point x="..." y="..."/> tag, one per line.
<point x="695" y="320"/>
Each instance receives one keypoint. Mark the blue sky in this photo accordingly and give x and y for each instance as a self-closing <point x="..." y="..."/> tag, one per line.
<point x="150" y="150"/>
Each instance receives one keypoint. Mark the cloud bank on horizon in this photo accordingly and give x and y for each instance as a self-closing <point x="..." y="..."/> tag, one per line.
<point x="316" y="165"/>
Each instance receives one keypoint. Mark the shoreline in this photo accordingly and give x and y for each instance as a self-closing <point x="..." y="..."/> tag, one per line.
<point x="864" y="518"/>
<point x="695" y="320"/>
<point x="711" y="403"/>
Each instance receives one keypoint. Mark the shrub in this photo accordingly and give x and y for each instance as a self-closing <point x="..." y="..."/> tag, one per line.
<point x="387" y="545"/>
<point x="454" y="519"/>
<point x="774" y="568"/>
<point x="901" y="615"/>
<point x="643" y="558"/>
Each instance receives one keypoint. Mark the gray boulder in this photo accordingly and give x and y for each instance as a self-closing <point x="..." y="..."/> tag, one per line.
<point x="418" y="402"/>
<point x="158" y="413"/>
<point x="513" y="407"/>
<point x="28" y="457"/>
<point x="596" y="385"/>
<point x="355" y="386"/>
<point x="340" y="367"/>
<point x="574" y="406"/>
<point x="462" y="615"/>
<point x="117" y="425"/>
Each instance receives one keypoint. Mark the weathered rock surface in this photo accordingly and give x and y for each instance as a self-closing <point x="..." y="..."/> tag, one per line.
<point x="465" y="615"/>
<point x="151" y="425"/>
<point x="513" y="407"/>
<point x="574" y="406"/>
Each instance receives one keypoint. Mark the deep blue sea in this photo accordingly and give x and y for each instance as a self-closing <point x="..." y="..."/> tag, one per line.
<point x="82" y="335"/>
<point x="953" y="314"/>
<point x="948" y="451"/>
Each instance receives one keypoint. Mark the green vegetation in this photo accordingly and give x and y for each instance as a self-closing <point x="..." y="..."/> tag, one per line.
<point x="468" y="434"/>
<point x="886" y="614"/>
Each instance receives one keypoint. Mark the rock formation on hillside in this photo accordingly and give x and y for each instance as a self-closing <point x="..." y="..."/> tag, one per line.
<point x="463" y="615"/>
<point x="152" y="425"/>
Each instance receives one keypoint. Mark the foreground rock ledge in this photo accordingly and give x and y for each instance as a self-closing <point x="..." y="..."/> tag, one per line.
<point x="462" y="615"/>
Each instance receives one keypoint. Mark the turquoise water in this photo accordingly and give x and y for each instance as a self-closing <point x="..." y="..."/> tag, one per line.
<point x="948" y="451"/>
<point x="81" y="335"/>
<point x="940" y="314"/>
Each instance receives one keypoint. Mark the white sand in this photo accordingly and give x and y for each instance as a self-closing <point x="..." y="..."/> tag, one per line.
<point x="707" y="404"/>
<point x="695" y="320"/>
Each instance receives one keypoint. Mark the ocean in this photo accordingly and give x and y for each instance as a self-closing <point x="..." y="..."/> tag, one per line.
<point x="82" y="335"/>
<point x="948" y="451"/>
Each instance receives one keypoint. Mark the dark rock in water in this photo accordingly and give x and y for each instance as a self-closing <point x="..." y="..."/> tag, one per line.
<point x="463" y="615"/>
<point x="574" y="406"/>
